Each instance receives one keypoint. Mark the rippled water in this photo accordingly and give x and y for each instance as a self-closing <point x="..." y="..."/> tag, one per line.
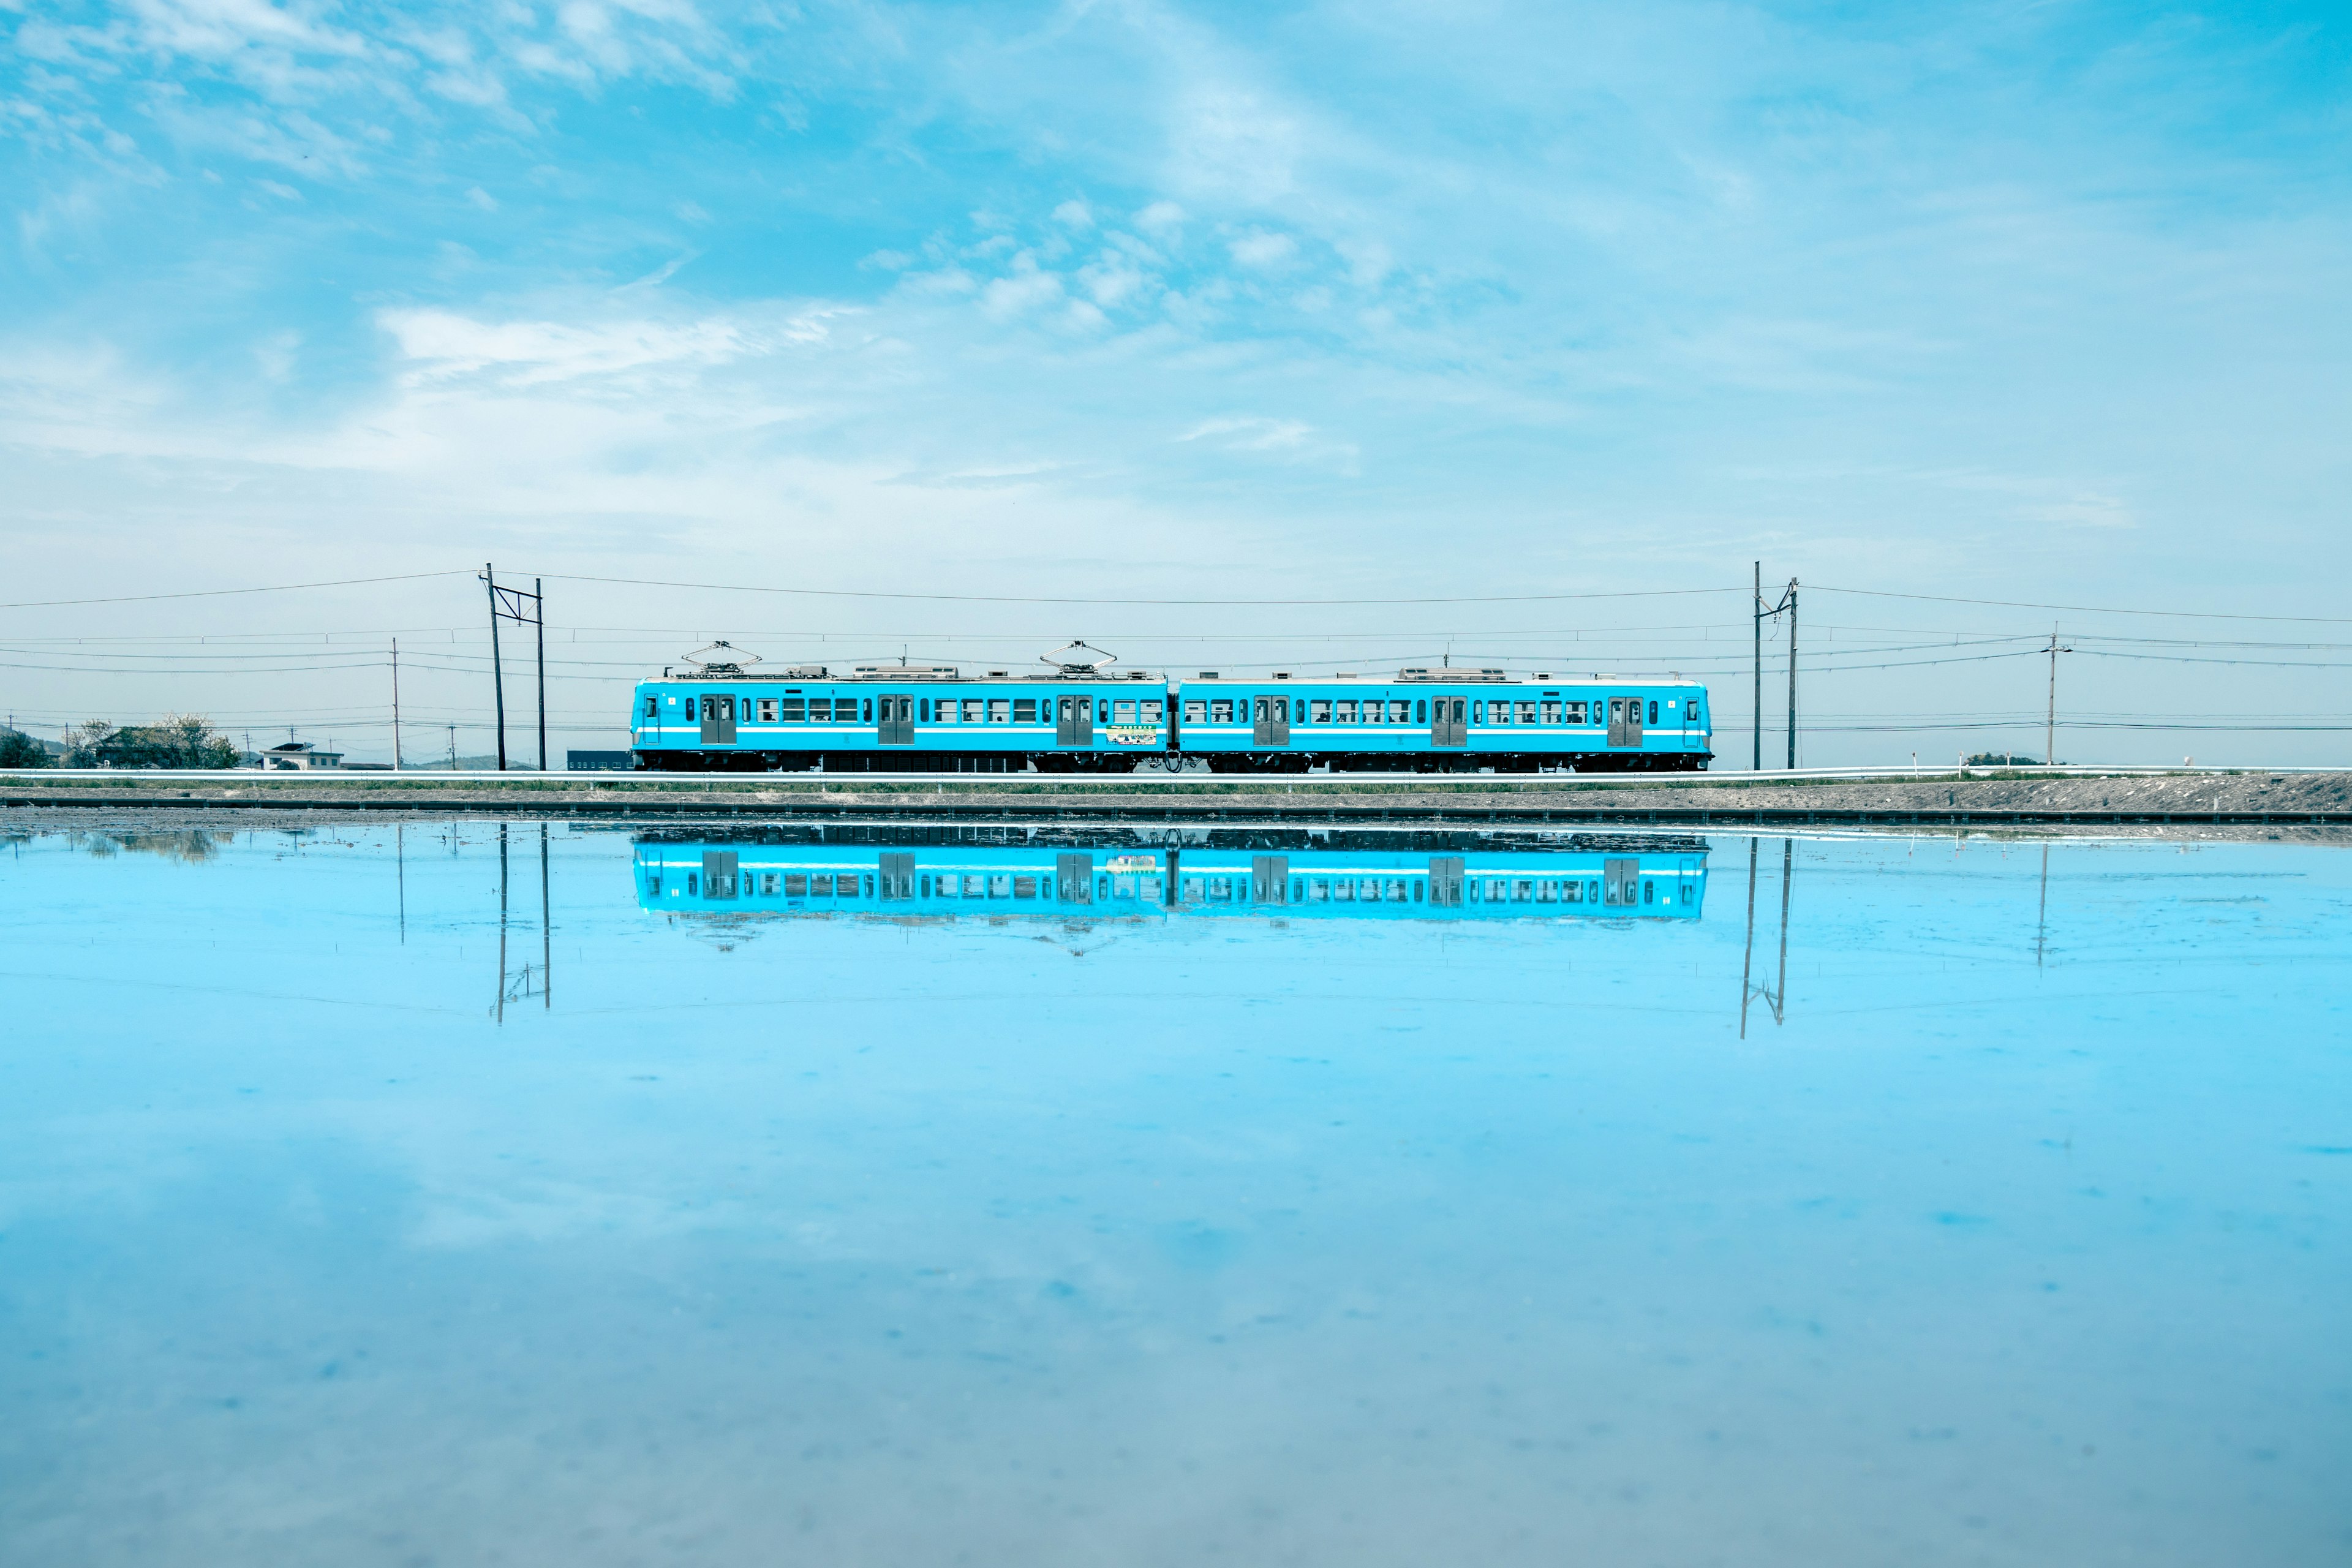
<point x="1988" y="1206"/>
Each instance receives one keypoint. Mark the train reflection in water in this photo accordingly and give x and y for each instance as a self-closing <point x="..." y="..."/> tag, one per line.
<point x="996" y="872"/>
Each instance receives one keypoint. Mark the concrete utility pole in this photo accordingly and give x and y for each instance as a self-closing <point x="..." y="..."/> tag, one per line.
<point x="1792" y="674"/>
<point x="539" y="624"/>
<point x="2050" y="719"/>
<point x="498" y="677"/>
<point x="1756" y="764"/>
<point x="395" y="705"/>
<point x="1763" y="612"/>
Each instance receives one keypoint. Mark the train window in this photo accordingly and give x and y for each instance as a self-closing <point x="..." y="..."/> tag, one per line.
<point x="1399" y="709"/>
<point x="820" y="710"/>
<point x="1221" y="711"/>
<point x="693" y="887"/>
<point x="1347" y="711"/>
<point x="1421" y="712"/>
<point x="1498" y="713"/>
<point x="1478" y="712"/>
<point x="1688" y="892"/>
<point x="1000" y="711"/>
<point x="1151" y="713"/>
<point x="1416" y="889"/>
<point x="1526" y="712"/>
<point x="1298" y="711"/>
<point x="1123" y="712"/>
<point x="1373" y="711"/>
<point x="1196" y="713"/>
<point x="1322" y="710"/>
<point x="792" y="710"/>
<point x="974" y="707"/>
<point x="821" y="887"/>
<point x="653" y="887"/>
<point x="1025" y="711"/>
<point x="1653" y="712"/>
<point x="767" y="710"/>
<point x="653" y="707"/>
<point x="1650" y="890"/>
<point x="1552" y="712"/>
<point x="767" y="881"/>
<point x="1690" y="711"/>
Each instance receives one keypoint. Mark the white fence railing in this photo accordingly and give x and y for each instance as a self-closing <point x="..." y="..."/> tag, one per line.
<point x="324" y="777"/>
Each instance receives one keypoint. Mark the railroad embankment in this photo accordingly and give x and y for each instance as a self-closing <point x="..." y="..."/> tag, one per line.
<point x="1975" y="799"/>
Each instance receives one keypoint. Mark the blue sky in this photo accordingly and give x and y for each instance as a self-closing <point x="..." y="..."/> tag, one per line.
<point x="2034" y="302"/>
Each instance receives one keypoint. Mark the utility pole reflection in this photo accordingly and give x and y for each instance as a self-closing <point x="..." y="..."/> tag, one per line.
<point x="514" y="988"/>
<point x="2042" y="920"/>
<point x="1776" y="995"/>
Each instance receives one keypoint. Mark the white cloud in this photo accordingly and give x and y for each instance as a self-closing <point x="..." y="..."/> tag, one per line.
<point x="1075" y="215"/>
<point x="1261" y="251"/>
<point x="444" y="344"/>
<point x="482" y="199"/>
<point x="1161" y="217"/>
<point x="1025" y="290"/>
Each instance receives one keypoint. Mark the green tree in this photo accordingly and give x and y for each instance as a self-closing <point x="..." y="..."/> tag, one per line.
<point x="180" y="741"/>
<point x="18" y="749"/>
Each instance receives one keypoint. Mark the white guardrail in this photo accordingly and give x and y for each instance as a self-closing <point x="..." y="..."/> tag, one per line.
<point x="323" y="777"/>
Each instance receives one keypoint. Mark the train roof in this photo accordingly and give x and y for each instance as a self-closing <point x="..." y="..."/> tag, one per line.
<point x="900" y="674"/>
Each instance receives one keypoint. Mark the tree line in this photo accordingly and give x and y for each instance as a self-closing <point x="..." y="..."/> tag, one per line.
<point x="179" y="740"/>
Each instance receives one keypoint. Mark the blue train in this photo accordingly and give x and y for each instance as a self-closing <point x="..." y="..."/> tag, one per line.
<point x="1661" y="880"/>
<point x="1078" y="718"/>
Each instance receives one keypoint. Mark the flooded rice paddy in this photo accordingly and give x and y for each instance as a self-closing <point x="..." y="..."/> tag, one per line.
<point x="517" y="1194"/>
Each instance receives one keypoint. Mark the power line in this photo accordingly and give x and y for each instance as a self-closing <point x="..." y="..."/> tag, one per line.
<point x="1173" y="604"/>
<point x="217" y="593"/>
<point x="2087" y="609"/>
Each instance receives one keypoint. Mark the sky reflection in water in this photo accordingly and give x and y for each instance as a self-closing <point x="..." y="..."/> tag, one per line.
<point x="2010" y="1232"/>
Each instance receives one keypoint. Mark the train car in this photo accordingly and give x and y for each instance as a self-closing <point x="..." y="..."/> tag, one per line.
<point x="1667" y="880"/>
<point x="1443" y="720"/>
<point x="899" y="718"/>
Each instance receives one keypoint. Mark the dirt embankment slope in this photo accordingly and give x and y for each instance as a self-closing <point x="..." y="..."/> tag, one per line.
<point x="30" y="800"/>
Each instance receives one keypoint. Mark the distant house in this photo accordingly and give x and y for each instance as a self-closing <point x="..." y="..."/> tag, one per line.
<point x="300" y="754"/>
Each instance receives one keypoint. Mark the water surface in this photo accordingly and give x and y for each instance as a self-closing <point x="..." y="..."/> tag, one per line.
<point x="1990" y="1209"/>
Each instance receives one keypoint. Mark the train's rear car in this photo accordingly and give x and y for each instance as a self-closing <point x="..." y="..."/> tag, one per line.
<point x="1443" y="720"/>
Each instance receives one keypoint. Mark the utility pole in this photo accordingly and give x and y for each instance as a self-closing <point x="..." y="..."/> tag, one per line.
<point x="2049" y="719"/>
<point x="395" y="705"/>
<point x="453" y="748"/>
<point x="508" y="603"/>
<point x="1792" y="681"/>
<point x="1763" y="612"/>
<point x="497" y="677"/>
<point x="539" y="598"/>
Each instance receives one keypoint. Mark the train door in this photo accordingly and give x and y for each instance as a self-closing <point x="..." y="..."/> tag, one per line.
<point x="1074" y="722"/>
<point x="1074" y="875"/>
<point x="1619" y="881"/>
<point x="1449" y="721"/>
<point x="898" y="871"/>
<point x="1273" y="721"/>
<point x="1445" y="874"/>
<point x="717" y="720"/>
<point x="718" y="867"/>
<point x="894" y="720"/>
<point x="1624" y="721"/>
<point x="1270" y="876"/>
